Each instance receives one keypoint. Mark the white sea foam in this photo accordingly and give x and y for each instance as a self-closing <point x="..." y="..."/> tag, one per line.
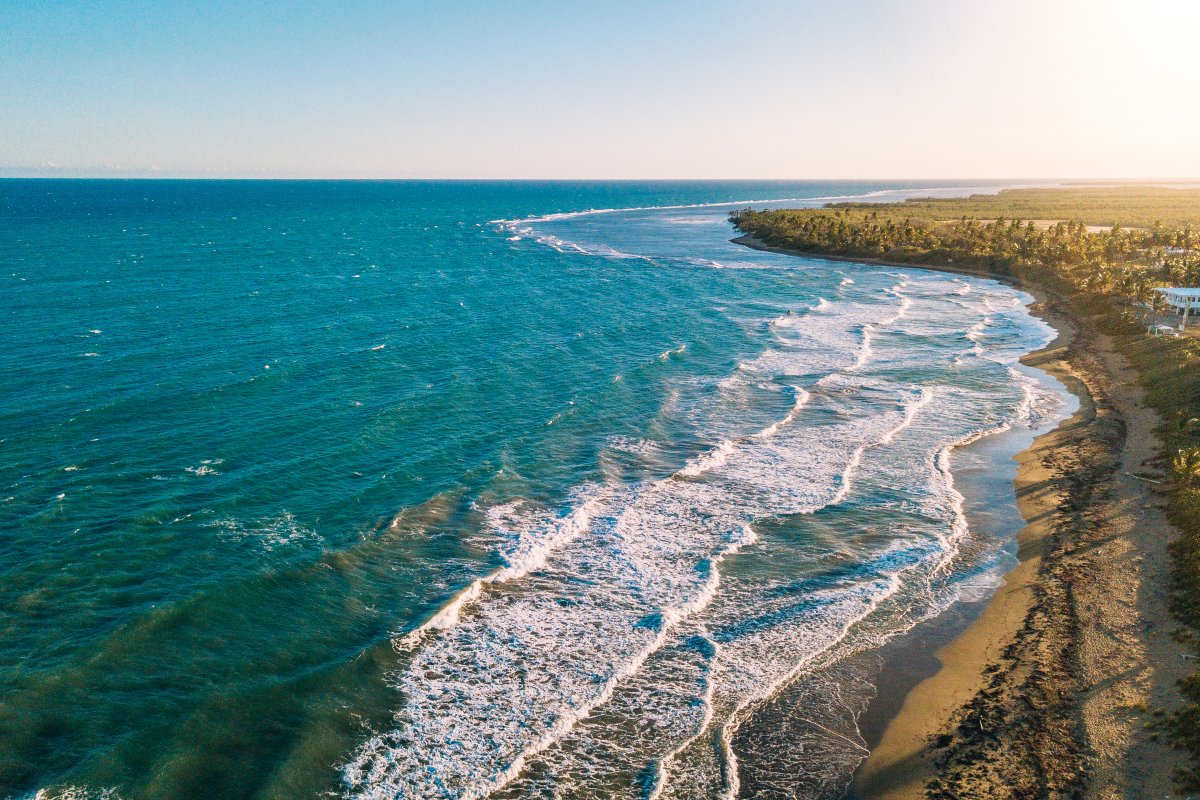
<point x="710" y="460"/>
<point x="529" y="546"/>
<point x="801" y="399"/>
<point x="867" y="330"/>
<point x="883" y="193"/>
<point x="528" y="227"/>
<point x="73" y="793"/>
<point x="617" y="644"/>
<point x="666" y="354"/>
<point x="269" y="533"/>
<point x="1038" y="405"/>
<point x="207" y="466"/>
<point x="632" y="445"/>
<point x="633" y="575"/>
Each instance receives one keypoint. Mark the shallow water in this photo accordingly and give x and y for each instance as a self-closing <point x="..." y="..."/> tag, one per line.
<point x="443" y="490"/>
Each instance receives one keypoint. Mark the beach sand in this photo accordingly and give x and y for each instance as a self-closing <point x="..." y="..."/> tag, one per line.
<point x="1051" y="691"/>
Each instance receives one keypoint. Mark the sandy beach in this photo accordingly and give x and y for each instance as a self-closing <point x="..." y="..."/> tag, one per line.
<point x="1052" y="690"/>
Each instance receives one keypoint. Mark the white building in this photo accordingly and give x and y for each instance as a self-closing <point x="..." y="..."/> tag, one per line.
<point x="1184" y="301"/>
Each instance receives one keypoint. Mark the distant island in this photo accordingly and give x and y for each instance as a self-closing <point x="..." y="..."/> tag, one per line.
<point x="1072" y="676"/>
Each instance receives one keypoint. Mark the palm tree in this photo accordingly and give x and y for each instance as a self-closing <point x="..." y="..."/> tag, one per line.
<point x="1187" y="465"/>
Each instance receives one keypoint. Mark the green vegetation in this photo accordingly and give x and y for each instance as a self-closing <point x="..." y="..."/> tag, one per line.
<point x="1187" y="466"/>
<point x="1131" y="206"/>
<point x="1169" y="370"/>
<point x="1105" y="277"/>
<point x="1121" y="262"/>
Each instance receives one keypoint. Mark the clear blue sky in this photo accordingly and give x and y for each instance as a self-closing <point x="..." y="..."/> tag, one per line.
<point x="871" y="88"/>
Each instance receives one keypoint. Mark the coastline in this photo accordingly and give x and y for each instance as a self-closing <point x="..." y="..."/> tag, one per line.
<point x="751" y="241"/>
<point x="1052" y="686"/>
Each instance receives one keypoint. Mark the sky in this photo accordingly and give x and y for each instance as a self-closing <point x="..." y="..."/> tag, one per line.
<point x="616" y="89"/>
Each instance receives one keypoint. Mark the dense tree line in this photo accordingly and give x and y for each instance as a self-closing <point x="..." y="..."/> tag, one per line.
<point x="1129" y="205"/>
<point x="1123" y="262"/>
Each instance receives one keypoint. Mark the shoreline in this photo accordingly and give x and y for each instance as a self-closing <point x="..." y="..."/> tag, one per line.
<point x="1051" y="685"/>
<point x="898" y="766"/>
<point x="751" y="241"/>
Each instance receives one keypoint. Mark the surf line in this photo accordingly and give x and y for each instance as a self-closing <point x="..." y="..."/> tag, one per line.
<point x="899" y="193"/>
<point x="724" y="449"/>
<point x="580" y="520"/>
<point x="924" y="397"/>
<point x="868" y="329"/>
<point x="573" y="526"/>
<point x="731" y="780"/>
<point x="518" y="229"/>
<point x="671" y="618"/>
<point x="520" y="564"/>
<point x="943" y="475"/>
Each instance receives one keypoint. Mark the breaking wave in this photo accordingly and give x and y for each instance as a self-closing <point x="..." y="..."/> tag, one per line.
<point x="614" y="654"/>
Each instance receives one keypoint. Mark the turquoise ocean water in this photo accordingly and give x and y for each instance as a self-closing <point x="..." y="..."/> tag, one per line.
<point x="449" y="490"/>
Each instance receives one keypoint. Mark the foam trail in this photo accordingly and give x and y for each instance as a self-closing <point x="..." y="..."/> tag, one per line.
<point x="566" y="722"/>
<point x="741" y="693"/>
<point x="710" y="460"/>
<point x="868" y="329"/>
<point x="630" y="548"/>
<point x="530" y="554"/>
<point x="732" y="780"/>
<point x="448" y="615"/>
<point x="518" y="229"/>
<point x="944" y="479"/>
<point x="720" y="454"/>
<point x="666" y="354"/>
<point x="948" y="550"/>
<point x="732" y="203"/>
<point x="672" y="616"/>
<point x="910" y="413"/>
<point x="662" y="766"/>
<point x="802" y="398"/>
<point x="671" y="619"/>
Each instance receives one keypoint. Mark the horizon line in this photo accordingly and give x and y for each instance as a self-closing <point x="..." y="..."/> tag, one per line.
<point x="413" y="179"/>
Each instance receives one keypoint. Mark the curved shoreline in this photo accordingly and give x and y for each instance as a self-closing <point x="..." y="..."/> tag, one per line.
<point x="896" y="766"/>
<point x="1051" y="684"/>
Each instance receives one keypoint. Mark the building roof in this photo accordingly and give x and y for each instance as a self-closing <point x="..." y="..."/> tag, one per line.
<point x="1190" y="293"/>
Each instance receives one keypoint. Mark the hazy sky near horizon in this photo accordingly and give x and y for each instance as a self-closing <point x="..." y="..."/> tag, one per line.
<point x="622" y="89"/>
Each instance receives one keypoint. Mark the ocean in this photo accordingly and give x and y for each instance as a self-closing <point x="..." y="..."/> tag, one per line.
<point x="477" y="489"/>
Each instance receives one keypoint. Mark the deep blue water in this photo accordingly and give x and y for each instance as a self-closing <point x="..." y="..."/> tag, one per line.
<point x="437" y="489"/>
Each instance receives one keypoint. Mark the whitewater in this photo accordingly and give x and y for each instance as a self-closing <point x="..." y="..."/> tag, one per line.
<point x="624" y="642"/>
<point x="496" y="489"/>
